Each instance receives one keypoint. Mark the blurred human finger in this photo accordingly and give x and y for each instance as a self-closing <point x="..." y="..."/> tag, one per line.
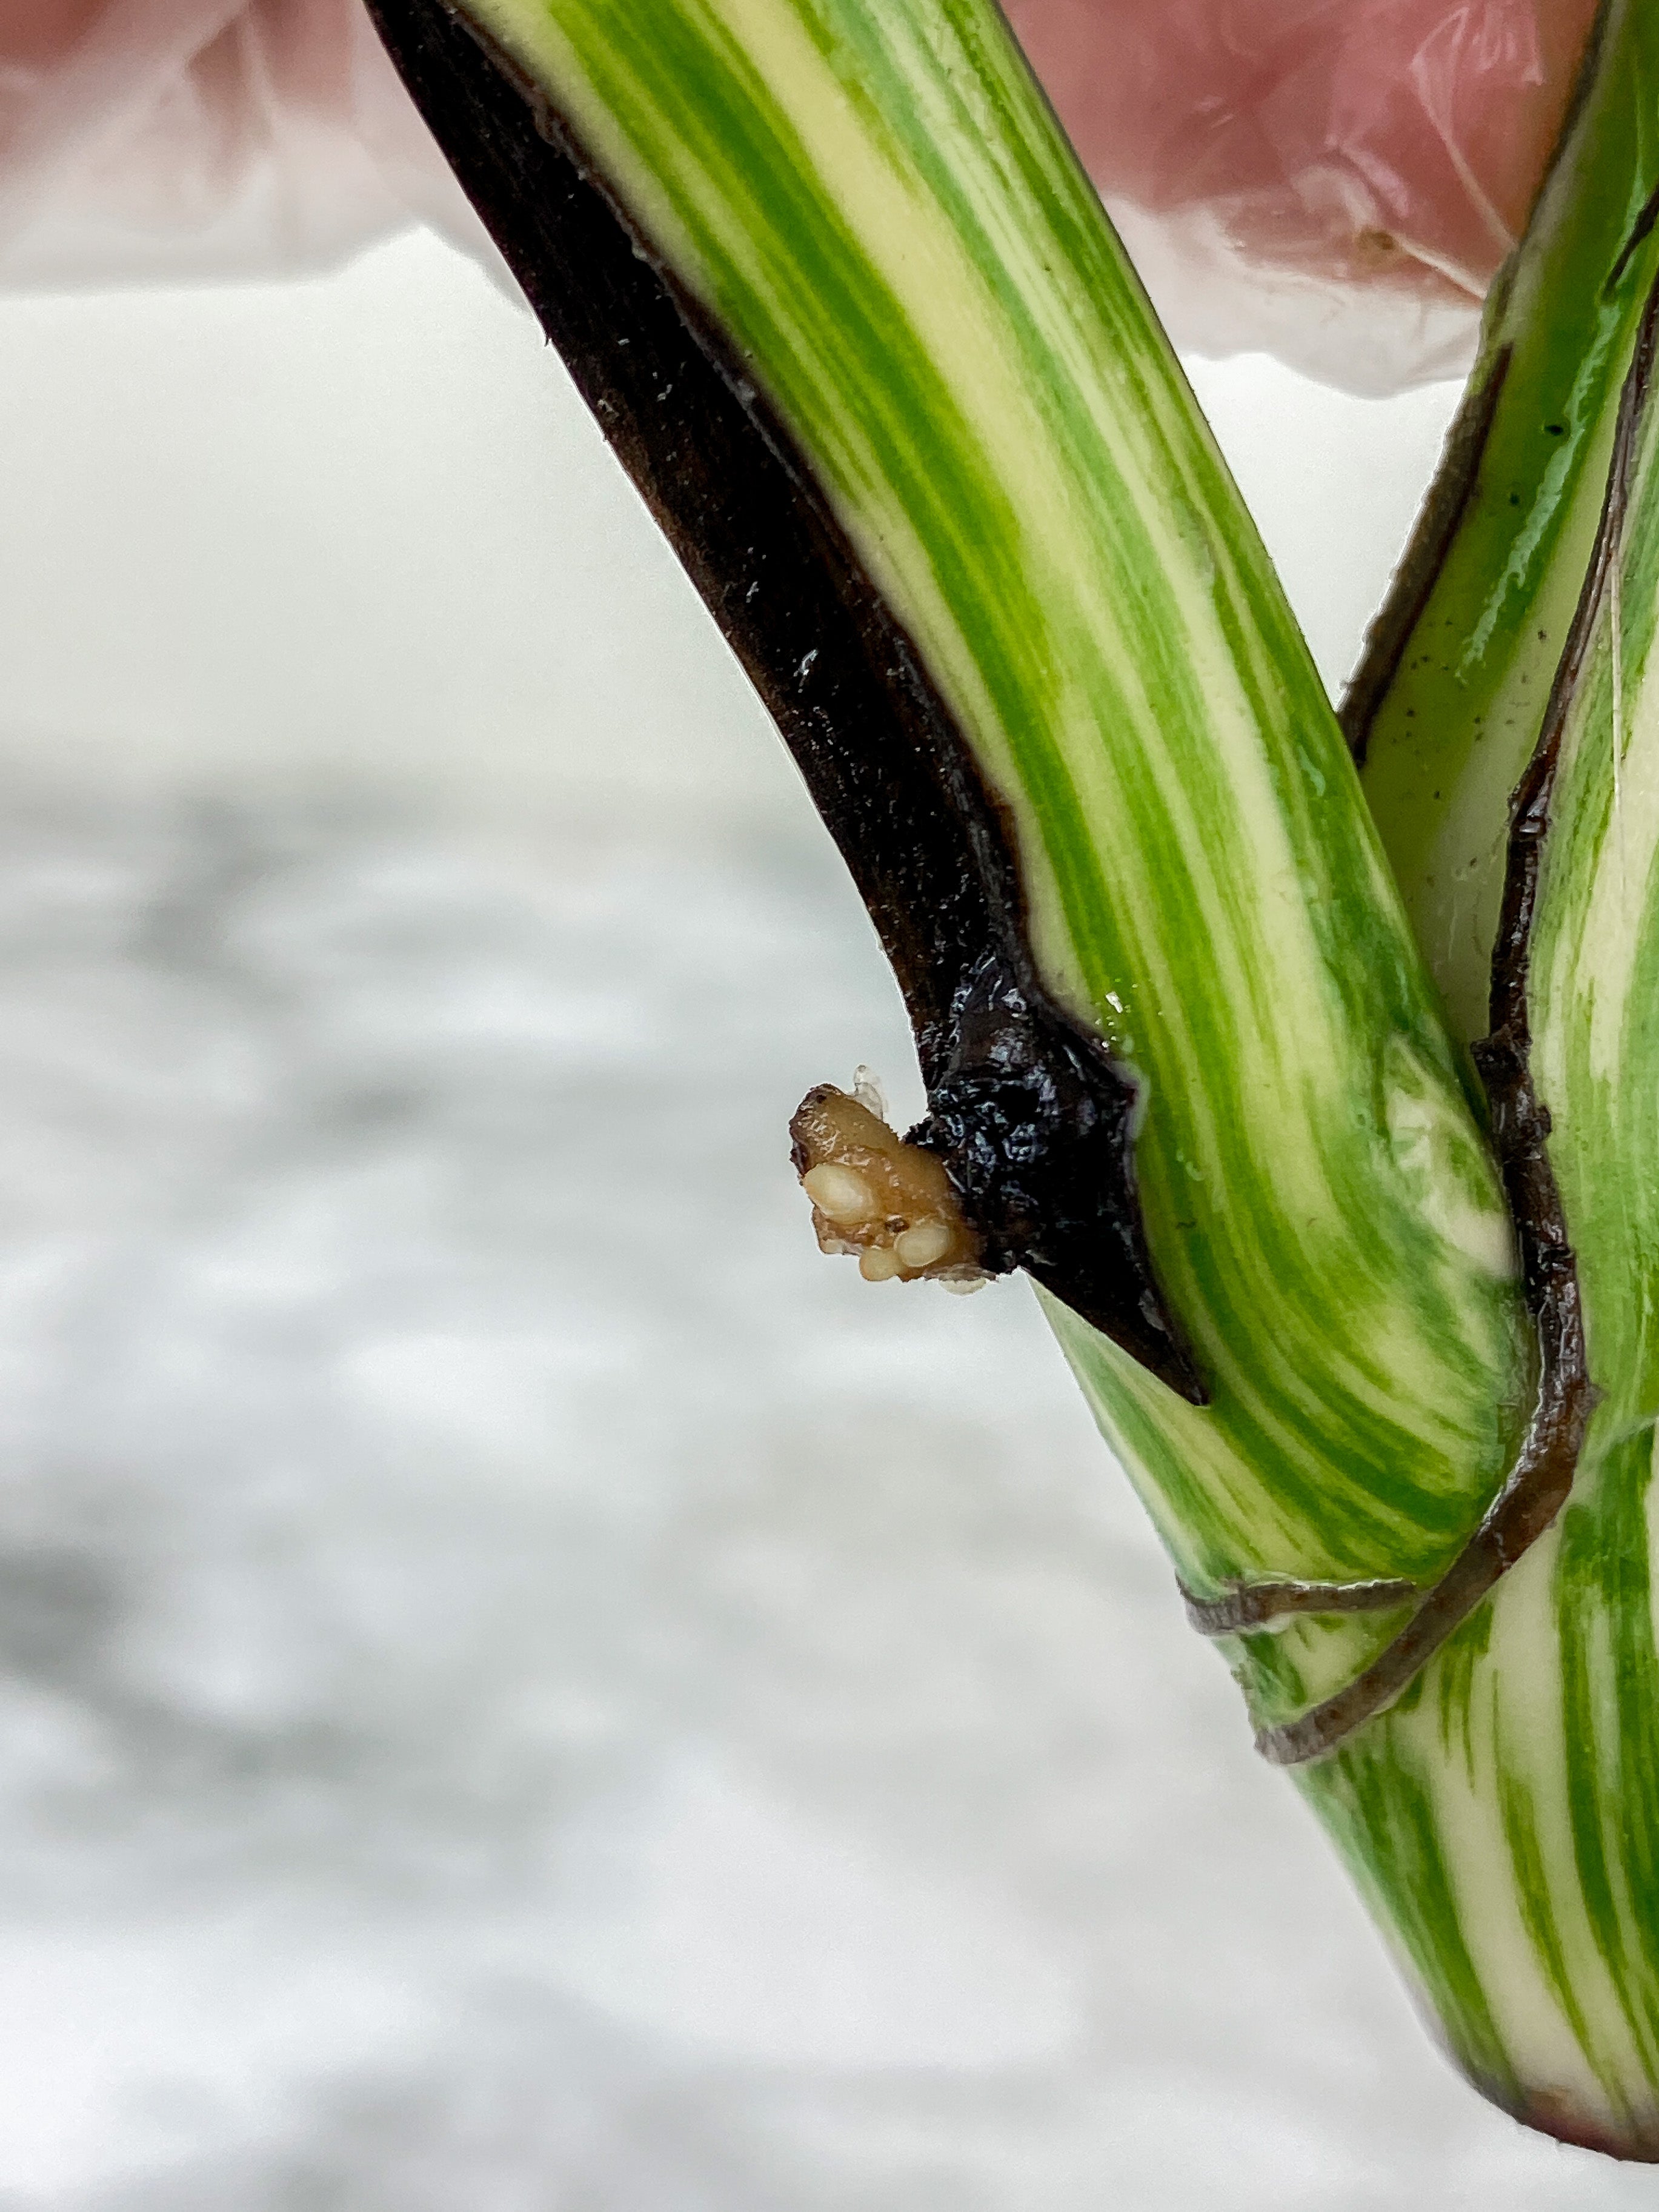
<point x="1337" y="181"/>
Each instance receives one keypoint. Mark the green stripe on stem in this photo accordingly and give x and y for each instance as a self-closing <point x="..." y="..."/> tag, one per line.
<point x="1446" y="706"/>
<point x="874" y="207"/>
<point x="1536" y="1749"/>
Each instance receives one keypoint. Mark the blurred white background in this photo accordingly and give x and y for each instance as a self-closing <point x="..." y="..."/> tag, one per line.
<point x="525" y="1689"/>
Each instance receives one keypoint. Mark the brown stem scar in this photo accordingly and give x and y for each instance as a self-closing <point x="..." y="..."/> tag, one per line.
<point x="1246" y="1605"/>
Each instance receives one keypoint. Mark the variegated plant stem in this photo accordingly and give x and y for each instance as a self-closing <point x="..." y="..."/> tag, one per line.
<point x="1507" y="716"/>
<point x="1517" y="1794"/>
<point x="942" y="365"/>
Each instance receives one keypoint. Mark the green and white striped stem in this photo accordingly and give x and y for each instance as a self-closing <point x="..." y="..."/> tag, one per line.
<point x="1506" y="1817"/>
<point x="1445" y="708"/>
<point x="852" y="315"/>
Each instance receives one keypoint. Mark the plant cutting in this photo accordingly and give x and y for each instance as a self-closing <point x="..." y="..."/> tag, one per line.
<point x="1319" y="1111"/>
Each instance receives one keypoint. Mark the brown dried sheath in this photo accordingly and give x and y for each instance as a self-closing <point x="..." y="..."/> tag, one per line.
<point x="1246" y="1605"/>
<point x="1032" y="1117"/>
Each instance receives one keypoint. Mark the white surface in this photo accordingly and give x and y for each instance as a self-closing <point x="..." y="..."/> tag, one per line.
<point x="525" y="1690"/>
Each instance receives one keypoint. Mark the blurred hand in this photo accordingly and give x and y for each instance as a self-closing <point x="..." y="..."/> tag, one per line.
<point x="157" y="139"/>
<point x="1337" y="180"/>
<point x="1341" y="137"/>
<point x="1393" y="146"/>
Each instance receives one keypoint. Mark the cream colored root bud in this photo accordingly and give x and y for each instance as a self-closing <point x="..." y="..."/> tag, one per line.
<point x="872" y="1194"/>
<point x="842" y="1194"/>
<point x="924" y="1243"/>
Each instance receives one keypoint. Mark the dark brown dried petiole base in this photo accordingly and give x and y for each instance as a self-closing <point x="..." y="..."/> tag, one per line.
<point x="1029" y="1113"/>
